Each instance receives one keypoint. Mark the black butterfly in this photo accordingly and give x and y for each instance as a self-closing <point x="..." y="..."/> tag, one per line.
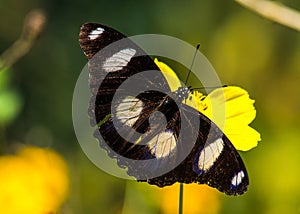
<point x="146" y="127"/>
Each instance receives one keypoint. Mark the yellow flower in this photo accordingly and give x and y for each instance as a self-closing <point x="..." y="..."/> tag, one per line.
<point x="232" y="110"/>
<point x="228" y="107"/>
<point x="34" y="181"/>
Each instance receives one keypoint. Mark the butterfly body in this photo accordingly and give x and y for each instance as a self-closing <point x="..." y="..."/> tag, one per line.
<point x="147" y="128"/>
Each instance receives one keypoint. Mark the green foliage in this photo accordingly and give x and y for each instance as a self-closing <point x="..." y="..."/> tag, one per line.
<point x="10" y="100"/>
<point x="10" y="104"/>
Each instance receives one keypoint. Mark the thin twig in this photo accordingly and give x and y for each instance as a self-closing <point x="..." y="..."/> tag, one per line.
<point x="33" y="26"/>
<point x="274" y="11"/>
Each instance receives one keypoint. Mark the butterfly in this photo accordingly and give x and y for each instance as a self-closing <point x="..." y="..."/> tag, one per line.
<point x="148" y="128"/>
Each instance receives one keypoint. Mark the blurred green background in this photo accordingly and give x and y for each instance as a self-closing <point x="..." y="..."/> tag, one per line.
<point x="245" y="49"/>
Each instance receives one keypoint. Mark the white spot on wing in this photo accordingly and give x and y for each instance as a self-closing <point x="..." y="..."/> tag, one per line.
<point x="95" y="33"/>
<point x="162" y="144"/>
<point x="237" y="178"/>
<point x="118" y="60"/>
<point x="128" y="110"/>
<point x="210" y="154"/>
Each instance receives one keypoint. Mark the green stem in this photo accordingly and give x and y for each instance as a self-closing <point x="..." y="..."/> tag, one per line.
<point x="180" y="199"/>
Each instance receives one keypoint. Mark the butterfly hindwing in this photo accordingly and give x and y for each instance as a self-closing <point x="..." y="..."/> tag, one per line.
<point x="212" y="161"/>
<point x="139" y="118"/>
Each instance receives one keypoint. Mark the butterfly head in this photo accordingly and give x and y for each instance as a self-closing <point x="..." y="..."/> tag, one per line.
<point x="182" y="93"/>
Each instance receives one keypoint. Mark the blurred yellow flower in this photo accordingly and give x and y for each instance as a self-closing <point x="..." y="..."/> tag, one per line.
<point x="232" y="101"/>
<point x="197" y="199"/>
<point x="34" y="181"/>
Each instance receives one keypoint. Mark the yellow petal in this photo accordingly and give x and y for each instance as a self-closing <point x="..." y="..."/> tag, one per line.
<point x="239" y="113"/>
<point x="169" y="74"/>
<point x="245" y="141"/>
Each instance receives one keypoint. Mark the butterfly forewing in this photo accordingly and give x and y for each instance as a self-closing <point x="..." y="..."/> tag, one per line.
<point x="109" y="69"/>
<point x="139" y="118"/>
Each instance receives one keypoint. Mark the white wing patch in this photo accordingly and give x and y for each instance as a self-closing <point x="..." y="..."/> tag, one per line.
<point x="118" y="60"/>
<point x="96" y="33"/>
<point x="128" y="110"/>
<point x="162" y="144"/>
<point x="237" y="178"/>
<point x="210" y="154"/>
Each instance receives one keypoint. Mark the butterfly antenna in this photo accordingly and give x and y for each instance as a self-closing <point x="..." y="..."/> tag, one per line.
<point x="209" y="87"/>
<point x="190" y="70"/>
